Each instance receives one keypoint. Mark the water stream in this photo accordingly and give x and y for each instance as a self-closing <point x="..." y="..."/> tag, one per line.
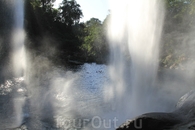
<point x="18" y="57"/>
<point x="134" y="54"/>
<point x="92" y="96"/>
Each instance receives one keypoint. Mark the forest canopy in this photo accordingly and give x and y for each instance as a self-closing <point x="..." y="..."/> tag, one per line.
<point x="74" y="39"/>
<point x="49" y="29"/>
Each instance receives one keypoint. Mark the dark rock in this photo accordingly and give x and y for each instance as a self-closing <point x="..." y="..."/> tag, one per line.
<point x="152" y="121"/>
<point x="75" y="62"/>
<point x="182" y="117"/>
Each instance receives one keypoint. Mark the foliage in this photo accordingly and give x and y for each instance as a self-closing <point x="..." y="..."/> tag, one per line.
<point x="94" y="42"/>
<point x="180" y="13"/>
<point x="74" y="40"/>
<point x="178" y="35"/>
<point x="70" y="12"/>
<point x="61" y="29"/>
<point x="44" y="4"/>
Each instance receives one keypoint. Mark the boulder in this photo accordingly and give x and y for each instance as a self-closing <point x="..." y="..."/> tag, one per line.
<point x="182" y="118"/>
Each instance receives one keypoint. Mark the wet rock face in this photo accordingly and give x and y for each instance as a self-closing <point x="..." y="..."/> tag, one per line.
<point x="152" y="121"/>
<point x="183" y="118"/>
<point x="186" y="105"/>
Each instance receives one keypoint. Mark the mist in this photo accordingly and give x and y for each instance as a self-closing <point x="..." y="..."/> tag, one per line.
<point x="57" y="84"/>
<point x="140" y="84"/>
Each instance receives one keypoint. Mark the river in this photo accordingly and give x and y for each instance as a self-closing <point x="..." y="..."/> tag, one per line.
<point x="75" y="99"/>
<point x="72" y="99"/>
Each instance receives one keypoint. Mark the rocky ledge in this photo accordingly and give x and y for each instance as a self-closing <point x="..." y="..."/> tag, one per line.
<point x="183" y="118"/>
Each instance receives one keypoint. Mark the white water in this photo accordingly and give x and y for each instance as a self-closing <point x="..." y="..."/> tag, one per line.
<point x="134" y="34"/>
<point x="18" y="56"/>
<point x="130" y="88"/>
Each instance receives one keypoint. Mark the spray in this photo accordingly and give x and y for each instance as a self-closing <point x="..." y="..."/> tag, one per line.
<point x="18" y="56"/>
<point x="134" y="35"/>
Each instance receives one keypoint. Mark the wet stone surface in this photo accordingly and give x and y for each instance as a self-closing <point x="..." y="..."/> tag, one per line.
<point x="181" y="119"/>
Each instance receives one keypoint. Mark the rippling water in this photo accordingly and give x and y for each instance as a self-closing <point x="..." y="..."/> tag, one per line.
<point x="82" y="98"/>
<point x="71" y="100"/>
<point x="67" y="100"/>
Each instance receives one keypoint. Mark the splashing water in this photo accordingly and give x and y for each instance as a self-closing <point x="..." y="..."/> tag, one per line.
<point x="134" y="35"/>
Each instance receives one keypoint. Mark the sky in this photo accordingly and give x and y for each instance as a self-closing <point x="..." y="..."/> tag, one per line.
<point x="92" y="9"/>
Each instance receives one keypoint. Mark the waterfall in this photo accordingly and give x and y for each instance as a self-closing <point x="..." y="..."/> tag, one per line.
<point x="134" y="35"/>
<point x="18" y="56"/>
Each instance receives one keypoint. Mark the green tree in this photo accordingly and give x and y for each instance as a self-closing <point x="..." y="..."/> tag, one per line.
<point x="45" y="4"/>
<point x="180" y="12"/>
<point x="94" y="41"/>
<point x="177" y="39"/>
<point x="70" y="12"/>
<point x="40" y="19"/>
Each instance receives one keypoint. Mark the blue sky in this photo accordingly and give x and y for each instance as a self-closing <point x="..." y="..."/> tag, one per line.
<point x="92" y="8"/>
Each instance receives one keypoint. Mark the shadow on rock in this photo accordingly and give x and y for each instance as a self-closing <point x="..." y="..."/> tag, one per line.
<point x="182" y="118"/>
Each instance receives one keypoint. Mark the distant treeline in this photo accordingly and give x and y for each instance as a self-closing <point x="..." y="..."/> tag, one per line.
<point x="59" y="34"/>
<point x="54" y="33"/>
